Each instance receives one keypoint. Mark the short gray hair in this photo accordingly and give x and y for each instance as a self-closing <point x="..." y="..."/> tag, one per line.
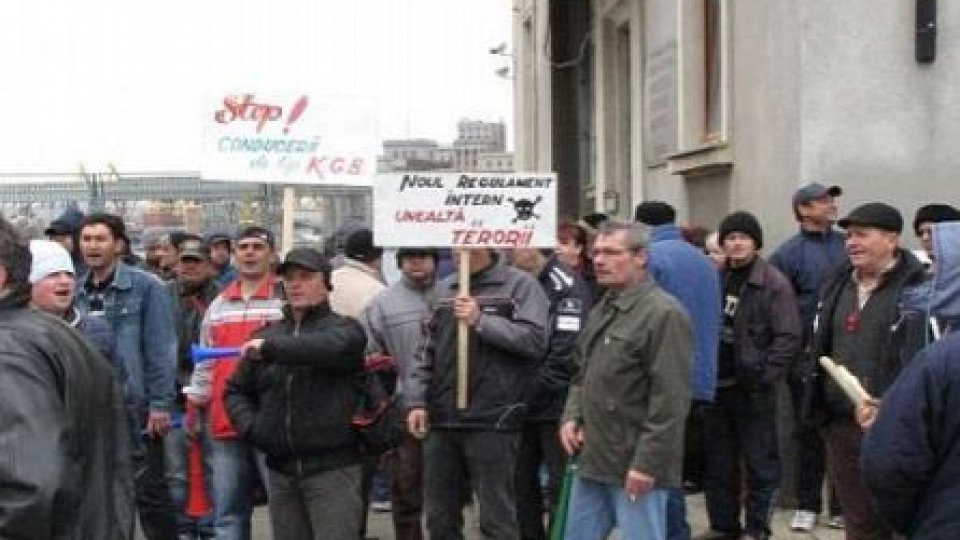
<point x="637" y="234"/>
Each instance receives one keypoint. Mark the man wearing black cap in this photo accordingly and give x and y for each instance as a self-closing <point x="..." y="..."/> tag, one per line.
<point x="688" y="275"/>
<point x="807" y="259"/>
<point x="293" y="397"/>
<point x="65" y="231"/>
<point x="926" y="217"/>
<point x="860" y="326"/>
<point x="394" y="322"/>
<point x="191" y="292"/>
<point x="759" y="337"/>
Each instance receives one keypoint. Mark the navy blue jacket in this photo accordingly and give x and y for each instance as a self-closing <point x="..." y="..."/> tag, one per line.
<point x="911" y="455"/>
<point x="808" y="259"/>
<point x="687" y="274"/>
<point x="570" y="301"/>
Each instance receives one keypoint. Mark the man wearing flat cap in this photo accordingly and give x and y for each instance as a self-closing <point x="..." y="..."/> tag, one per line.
<point x="860" y="326"/>
<point x="807" y="259"/>
<point x="293" y="397"/>
<point x="191" y="293"/>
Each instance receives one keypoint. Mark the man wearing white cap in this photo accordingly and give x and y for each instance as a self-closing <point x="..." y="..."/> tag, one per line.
<point x="52" y="281"/>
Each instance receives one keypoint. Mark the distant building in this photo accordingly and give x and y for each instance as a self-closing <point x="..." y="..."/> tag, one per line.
<point x="480" y="147"/>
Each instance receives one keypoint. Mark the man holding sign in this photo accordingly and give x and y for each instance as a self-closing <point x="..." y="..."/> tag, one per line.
<point x="506" y="312"/>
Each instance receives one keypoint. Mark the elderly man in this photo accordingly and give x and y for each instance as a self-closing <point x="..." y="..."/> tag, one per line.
<point x="293" y="397"/>
<point x="860" y="326"/>
<point x="629" y="396"/>
<point x="65" y="469"/>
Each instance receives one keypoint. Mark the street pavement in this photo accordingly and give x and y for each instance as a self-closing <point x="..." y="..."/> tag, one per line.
<point x="381" y="527"/>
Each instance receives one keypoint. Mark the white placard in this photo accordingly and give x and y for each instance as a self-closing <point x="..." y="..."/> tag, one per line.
<point x="500" y="210"/>
<point x="289" y="139"/>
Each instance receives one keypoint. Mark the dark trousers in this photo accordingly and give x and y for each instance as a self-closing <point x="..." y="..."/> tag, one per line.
<point x="843" y="448"/>
<point x="811" y="458"/>
<point x="405" y="464"/>
<point x="490" y="459"/>
<point x="539" y="444"/>
<point x="740" y="426"/>
<point x="158" y="517"/>
<point x="321" y="505"/>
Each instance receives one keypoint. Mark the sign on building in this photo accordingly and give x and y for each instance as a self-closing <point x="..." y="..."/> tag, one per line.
<point x="289" y="139"/>
<point x="465" y="210"/>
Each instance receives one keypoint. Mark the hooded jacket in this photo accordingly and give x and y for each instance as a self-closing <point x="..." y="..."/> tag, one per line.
<point x="910" y="456"/>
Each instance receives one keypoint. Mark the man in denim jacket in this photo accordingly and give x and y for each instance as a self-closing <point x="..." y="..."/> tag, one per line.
<point x="136" y="305"/>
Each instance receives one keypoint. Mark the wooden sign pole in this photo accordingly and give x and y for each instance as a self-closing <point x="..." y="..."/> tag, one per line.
<point x="289" y="209"/>
<point x="463" y="336"/>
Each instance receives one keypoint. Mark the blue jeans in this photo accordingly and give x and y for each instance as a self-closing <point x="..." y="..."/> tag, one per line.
<point x="177" y="447"/>
<point x="677" y="526"/>
<point x="233" y="464"/>
<point x="596" y="508"/>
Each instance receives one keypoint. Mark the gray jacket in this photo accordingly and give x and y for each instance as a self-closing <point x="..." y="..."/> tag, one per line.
<point x="506" y="345"/>
<point x="394" y="322"/>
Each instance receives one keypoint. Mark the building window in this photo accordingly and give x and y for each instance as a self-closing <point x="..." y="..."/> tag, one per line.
<point x="712" y="56"/>
<point x="704" y="44"/>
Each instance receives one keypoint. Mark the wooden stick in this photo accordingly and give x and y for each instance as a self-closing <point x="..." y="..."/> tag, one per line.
<point x="289" y="209"/>
<point x="463" y="336"/>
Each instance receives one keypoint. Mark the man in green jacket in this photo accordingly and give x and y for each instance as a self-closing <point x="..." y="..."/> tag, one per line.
<point x="628" y="399"/>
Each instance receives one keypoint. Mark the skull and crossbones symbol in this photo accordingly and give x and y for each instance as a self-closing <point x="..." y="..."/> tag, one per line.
<point x="524" y="208"/>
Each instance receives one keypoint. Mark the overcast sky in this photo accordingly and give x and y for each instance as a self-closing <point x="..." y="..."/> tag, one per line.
<point x="130" y="82"/>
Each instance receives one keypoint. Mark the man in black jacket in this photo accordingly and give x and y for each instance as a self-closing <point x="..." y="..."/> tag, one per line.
<point x="545" y="394"/>
<point x="65" y="472"/>
<point x="506" y="312"/>
<point x="293" y="397"/>
<point x="862" y="327"/>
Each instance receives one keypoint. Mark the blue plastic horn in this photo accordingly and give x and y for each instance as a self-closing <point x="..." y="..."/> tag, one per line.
<point x="200" y="354"/>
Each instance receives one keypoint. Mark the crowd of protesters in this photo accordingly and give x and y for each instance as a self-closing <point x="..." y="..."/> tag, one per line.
<point x="607" y="378"/>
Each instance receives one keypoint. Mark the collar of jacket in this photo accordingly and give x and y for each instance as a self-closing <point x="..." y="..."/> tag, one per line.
<point x="312" y="313"/>
<point x="11" y="299"/>
<point x="265" y="290"/>
<point x="818" y="236"/>
<point x="418" y="287"/>
<point x="206" y="290"/>
<point x="121" y="276"/>
<point x="493" y="274"/>
<point x="758" y="272"/>
<point x="362" y="267"/>
<point x="667" y="231"/>
<point x="624" y="301"/>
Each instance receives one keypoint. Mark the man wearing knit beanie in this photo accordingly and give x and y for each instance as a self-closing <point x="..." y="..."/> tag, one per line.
<point x="759" y="337"/>
<point x="925" y="218"/>
<point x="53" y="284"/>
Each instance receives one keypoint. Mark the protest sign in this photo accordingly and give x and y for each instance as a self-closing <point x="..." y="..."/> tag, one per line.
<point x="289" y="139"/>
<point x="465" y="210"/>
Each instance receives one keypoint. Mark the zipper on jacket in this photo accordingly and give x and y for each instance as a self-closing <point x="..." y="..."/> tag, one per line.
<point x="289" y="418"/>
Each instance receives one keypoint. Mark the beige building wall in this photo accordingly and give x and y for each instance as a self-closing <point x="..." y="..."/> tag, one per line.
<point x="813" y="90"/>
